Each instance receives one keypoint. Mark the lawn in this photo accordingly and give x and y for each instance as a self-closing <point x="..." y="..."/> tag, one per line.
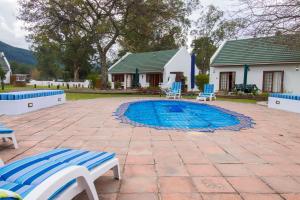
<point x="82" y="96"/>
<point x="79" y="96"/>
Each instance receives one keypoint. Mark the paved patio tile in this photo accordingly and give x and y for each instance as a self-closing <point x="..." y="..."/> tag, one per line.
<point x="258" y="163"/>
<point x="144" y="196"/>
<point x="267" y="170"/>
<point x="249" y="185"/>
<point x="176" y="184"/>
<point x="212" y="184"/>
<point x="181" y="196"/>
<point x="291" y="196"/>
<point x="234" y="170"/>
<point x="171" y="170"/>
<point x="202" y="170"/>
<point x="140" y="160"/>
<point x="283" y="184"/>
<point x="139" y="170"/>
<point x="261" y="196"/>
<point x="221" y="197"/>
<point x="139" y="185"/>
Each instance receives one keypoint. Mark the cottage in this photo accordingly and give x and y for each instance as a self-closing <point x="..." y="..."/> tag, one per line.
<point x="153" y="68"/>
<point x="271" y="66"/>
<point x="6" y="67"/>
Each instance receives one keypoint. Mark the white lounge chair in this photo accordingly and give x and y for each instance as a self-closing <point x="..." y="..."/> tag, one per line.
<point x="8" y="133"/>
<point x="175" y="91"/>
<point x="208" y="93"/>
<point x="58" y="174"/>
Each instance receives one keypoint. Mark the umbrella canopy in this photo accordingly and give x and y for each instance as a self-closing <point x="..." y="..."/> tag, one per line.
<point x="246" y="69"/>
<point x="193" y="63"/>
<point x="136" y="80"/>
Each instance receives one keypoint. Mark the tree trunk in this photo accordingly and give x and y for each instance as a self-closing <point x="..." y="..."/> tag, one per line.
<point x="76" y="73"/>
<point x="104" y="71"/>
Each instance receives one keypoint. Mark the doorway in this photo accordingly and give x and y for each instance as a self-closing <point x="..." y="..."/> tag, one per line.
<point x="227" y="81"/>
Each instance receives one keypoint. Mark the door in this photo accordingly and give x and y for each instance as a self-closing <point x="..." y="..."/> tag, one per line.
<point x="227" y="81"/>
<point x="154" y="79"/>
<point x="273" y="81"/>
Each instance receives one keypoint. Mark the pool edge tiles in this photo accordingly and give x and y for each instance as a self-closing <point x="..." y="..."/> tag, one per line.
<point x="244" y="121"/>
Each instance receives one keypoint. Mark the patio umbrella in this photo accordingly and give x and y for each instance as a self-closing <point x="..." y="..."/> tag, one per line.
<point x="193" y="62"/>
<point x="246" y="69"/>
<point x="136" y="78"/>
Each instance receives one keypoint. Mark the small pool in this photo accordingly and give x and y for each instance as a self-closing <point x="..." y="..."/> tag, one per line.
<point x="181" y="115"/>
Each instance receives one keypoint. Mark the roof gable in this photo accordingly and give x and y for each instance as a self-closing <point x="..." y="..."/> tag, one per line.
<point x="254" y="51"/>
<point x="144" y="62"/>
<point x="3" y="63"/>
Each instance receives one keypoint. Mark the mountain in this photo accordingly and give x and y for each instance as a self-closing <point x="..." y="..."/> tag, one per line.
<point x="22" y="56"/>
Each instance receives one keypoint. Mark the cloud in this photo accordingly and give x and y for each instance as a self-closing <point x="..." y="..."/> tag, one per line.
<point x="11" y="28"/>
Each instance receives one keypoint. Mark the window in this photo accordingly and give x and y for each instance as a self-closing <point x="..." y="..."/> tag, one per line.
<point x="118" y="78"/>
<point x="227" y="81"/>
<point x="154" y="79"/>
<point x="273" y="81"/>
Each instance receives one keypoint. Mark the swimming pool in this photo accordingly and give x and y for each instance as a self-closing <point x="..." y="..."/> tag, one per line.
<point x="181" y="115"/>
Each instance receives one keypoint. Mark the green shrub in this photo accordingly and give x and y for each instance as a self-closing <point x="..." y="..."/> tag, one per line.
<point x="93" y="79"/>
<point x="201" y="80"/>
<point x="118" y="85"/>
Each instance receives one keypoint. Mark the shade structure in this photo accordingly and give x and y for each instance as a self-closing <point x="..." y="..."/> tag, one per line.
<point x="193" y="63"/>
<point x="136" y="78"/>
<point x="246" y="69"/>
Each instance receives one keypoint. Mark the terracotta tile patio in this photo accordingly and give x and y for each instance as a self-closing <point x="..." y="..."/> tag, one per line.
<point x="258" y="163"/>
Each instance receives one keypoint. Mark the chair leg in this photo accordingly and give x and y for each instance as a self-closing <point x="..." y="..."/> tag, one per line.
<point x="14" y="140"/>
<point x="116" y="171"/>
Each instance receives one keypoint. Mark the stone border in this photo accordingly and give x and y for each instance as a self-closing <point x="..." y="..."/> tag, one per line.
<point x="245" y="121"/>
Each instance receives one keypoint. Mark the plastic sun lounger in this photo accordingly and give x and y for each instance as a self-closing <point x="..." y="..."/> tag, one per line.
<point x="8" y="133"/>
<point x="175" y="91"/>
<point x="58" y="174"/>
<point x="208" y="93"/>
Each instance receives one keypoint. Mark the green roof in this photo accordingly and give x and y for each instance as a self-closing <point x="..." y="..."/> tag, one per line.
<point x="144" y="62"/>
<point x="254" y="51"/>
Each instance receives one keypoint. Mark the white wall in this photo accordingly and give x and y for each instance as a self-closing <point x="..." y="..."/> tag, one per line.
<point x="85" y="84"/>
<point x="181" y="62"/>
<point x="291" y="81"/>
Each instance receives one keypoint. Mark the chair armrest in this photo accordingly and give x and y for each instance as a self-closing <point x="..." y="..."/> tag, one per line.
<point x="52" y="184"/>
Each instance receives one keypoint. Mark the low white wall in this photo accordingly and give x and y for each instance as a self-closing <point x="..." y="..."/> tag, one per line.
<point x="16" y="107"/>
<point x="284" y="104"/>
<point x="255" y="76"/>
<point x="84" y="84"/>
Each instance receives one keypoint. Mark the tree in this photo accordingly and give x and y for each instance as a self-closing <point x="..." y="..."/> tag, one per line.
<point x="271" y="18"/>
<point x="204" y="48"/>
<point x="102" y="22"/>
<point x="210" y="30"/>
<point x="47" y="54"/>
<point x="20" y="68"/>
<point x="2" y="77"/>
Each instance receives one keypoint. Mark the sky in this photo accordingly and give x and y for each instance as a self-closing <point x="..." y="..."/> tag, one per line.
<point x="12" y="32"/>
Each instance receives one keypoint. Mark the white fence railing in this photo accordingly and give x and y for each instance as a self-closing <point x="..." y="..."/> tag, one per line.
<point x="84" y="84"/>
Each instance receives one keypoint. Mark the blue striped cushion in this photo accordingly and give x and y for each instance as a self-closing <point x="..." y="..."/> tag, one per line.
<point x="31" y="171"/>
<point x="5" y="130"/>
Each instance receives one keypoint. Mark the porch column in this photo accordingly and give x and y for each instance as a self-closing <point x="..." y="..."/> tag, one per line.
<point x="125" y="81"/>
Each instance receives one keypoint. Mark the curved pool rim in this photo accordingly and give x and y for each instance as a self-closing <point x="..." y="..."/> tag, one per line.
<point x="245" y="121"/>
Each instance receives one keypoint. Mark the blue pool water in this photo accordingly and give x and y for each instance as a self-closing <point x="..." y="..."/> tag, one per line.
<point x="167" y="114"/>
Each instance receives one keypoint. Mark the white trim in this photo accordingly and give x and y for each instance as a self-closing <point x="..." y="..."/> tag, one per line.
<point x="12" y="137"/>
<point x="217" y="52"/>
<point x="127" y="54"/>
<point x="170" y="60"/>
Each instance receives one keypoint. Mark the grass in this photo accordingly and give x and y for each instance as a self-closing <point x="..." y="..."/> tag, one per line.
<point x="82" y="96"/>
